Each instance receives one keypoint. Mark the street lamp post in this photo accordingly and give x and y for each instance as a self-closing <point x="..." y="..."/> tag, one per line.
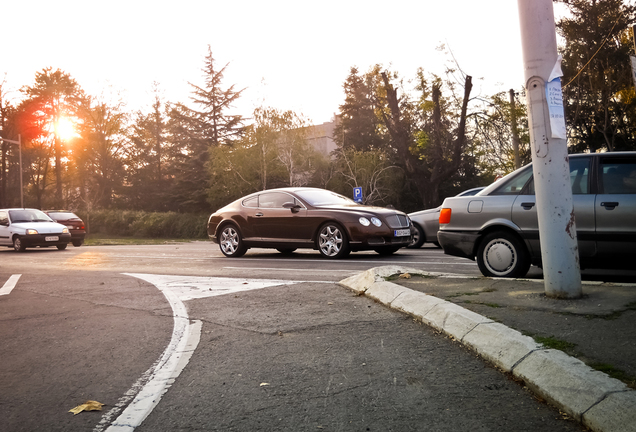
<point x="19" y="143"/>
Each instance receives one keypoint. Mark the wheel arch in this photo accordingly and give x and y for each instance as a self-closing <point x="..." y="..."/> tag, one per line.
<point x="499" y="227"/>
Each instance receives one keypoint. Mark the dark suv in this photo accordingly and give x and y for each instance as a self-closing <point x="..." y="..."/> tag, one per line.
<point x="74" y="224"/>
<point x="498" y="227"/>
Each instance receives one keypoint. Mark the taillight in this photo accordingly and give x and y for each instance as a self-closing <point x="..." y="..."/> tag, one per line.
<point x="445" y="216"/>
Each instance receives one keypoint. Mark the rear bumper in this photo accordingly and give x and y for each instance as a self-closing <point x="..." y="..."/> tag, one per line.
<point x="461" y="244"/>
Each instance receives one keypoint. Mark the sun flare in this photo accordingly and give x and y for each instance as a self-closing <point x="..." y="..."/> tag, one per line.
<point x="65" y="128"/>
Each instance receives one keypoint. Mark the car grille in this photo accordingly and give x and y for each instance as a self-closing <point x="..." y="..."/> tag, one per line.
<point x="397" y="221"/>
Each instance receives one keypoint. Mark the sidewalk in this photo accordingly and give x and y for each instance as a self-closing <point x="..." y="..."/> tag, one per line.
<point x="549" y="344"/>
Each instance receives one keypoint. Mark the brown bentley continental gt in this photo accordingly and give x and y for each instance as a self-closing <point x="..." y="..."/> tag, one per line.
<point x="290" y="218"/>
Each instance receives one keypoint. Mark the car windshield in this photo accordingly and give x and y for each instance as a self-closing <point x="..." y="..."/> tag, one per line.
<point x="28" y="216"/>
<point x="318" y="198"/>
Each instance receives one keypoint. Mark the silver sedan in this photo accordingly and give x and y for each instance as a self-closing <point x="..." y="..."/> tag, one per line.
<point x="499" y="227"/>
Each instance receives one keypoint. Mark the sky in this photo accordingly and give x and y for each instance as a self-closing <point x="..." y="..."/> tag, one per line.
<point x="290" y="55"/>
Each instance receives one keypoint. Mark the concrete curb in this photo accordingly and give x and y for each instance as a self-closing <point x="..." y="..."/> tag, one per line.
<point x="599" y="402"/>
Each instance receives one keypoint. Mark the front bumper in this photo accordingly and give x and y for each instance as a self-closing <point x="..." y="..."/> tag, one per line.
<point x="32" y="240"/>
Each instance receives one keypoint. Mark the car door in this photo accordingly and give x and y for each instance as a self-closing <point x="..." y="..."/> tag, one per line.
<point x="616" y="206"/>
<point x="5" y="235"/>
<point x="524" y="211"/>
<point x="275" y="223"/>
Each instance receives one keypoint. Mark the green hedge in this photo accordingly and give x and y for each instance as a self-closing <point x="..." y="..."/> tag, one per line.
<point x="128" y="223"/>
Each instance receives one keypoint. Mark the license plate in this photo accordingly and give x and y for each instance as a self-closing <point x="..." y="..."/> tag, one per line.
<point x="402" y="233"/>
<point x="51" y="238"/>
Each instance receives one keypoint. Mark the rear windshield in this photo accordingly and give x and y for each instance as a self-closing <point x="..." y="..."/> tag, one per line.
<point x="63" y="215"/>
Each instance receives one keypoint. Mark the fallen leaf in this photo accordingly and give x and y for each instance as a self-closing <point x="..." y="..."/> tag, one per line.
<point x="87" y="406"/>
<point x="264" y="384"/>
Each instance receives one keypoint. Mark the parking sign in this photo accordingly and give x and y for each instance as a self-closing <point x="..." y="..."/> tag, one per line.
<point x="357" y="194"/>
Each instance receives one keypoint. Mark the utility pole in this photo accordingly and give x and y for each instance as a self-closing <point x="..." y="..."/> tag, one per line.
<point x="515" y="130"/>
<point x="550" y="162"/>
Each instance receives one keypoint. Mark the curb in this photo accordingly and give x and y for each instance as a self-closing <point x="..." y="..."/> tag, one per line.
<point x="599" y="402"/>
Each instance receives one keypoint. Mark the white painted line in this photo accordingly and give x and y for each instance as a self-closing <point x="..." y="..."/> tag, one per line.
<point x="185" y="338"/>
<point x="9" y="284"/>
<point x="193" y="287"/>
<point x="155" y="382"/>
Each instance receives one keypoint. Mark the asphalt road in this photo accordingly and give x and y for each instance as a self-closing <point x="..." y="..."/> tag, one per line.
<point x="291" y="352"/>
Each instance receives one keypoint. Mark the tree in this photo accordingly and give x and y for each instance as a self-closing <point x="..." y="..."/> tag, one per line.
<point x="100" y="153"/>
<point x="208" y="126"/>
<point x="493" y="140"/>
<point x="212" y="121"/>
<point x="372" y="170"/>
<point x="597" y="86"/>
<point x="9" y="168"/>
<point x="53" y="97"/>
<point x="359" y="125"/>
<point x="432" y="151"/>
<point x="151" y="157"/>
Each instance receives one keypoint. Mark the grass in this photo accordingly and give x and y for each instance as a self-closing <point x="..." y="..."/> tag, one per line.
<point x="552" y="342"/>
<point x="615" y="373"/>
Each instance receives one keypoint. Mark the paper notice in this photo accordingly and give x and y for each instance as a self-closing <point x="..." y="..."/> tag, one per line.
<point x="554" y="96"/>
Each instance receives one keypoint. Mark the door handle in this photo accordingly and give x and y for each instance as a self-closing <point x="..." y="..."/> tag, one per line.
<point x="259" y="214"/>
<point x="609" y="205"/>
<point x="527" y="205"/>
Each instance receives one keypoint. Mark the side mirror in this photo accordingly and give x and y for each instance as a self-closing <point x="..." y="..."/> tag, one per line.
<point x="295" y="208"/>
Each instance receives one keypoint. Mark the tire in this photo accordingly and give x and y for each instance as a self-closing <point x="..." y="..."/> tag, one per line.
<point x="332" y="241"/>
<point x="419" y="237"/>
<point x="231" y="242"/>
<point x="386" y="251"/>
<point x="502" y="254"/>
<point x="77" y="243"/>
<point x="288" y="251"/>
<point x="62" y="246"/>
<point x="18" y="244"/>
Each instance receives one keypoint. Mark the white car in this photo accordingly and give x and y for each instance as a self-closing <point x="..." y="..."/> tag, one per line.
<point x="21" y="228"/>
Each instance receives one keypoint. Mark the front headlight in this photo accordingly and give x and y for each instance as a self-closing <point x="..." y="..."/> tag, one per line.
<point x="31" y="231"/>
<point x="65" y="231"/>
<point x="364" y="221"/>
<point x="375" y="221"/>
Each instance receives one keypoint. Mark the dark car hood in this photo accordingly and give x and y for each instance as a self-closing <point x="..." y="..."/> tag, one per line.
<point x="362" y="209"/>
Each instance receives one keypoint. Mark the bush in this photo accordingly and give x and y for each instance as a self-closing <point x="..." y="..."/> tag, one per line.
<point x="128" y="223"/>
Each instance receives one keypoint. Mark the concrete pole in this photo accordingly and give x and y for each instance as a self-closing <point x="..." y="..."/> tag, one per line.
<point x="550" y="162"/>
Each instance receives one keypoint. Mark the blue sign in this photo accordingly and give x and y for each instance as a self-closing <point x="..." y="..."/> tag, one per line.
<point x="357" y="194"/>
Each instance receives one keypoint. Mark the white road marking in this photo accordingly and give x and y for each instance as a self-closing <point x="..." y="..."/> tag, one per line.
<point x="9" y="284"/>
<point x="193" y="287"/>
<point x="155" y="382"/>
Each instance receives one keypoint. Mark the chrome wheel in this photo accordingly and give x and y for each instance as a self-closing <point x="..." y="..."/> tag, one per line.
<point x="332" y="242"/>
<point x="231" y="243"/>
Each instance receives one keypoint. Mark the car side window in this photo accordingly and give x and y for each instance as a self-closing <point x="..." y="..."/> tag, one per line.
<point x="618" y="176"/>
<point x="515" y="185"/>
<point x="251" y="202"/>
<point x="4" y="219"/>
<point x="579" y="177"/>
<point x="274" y="199"/>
